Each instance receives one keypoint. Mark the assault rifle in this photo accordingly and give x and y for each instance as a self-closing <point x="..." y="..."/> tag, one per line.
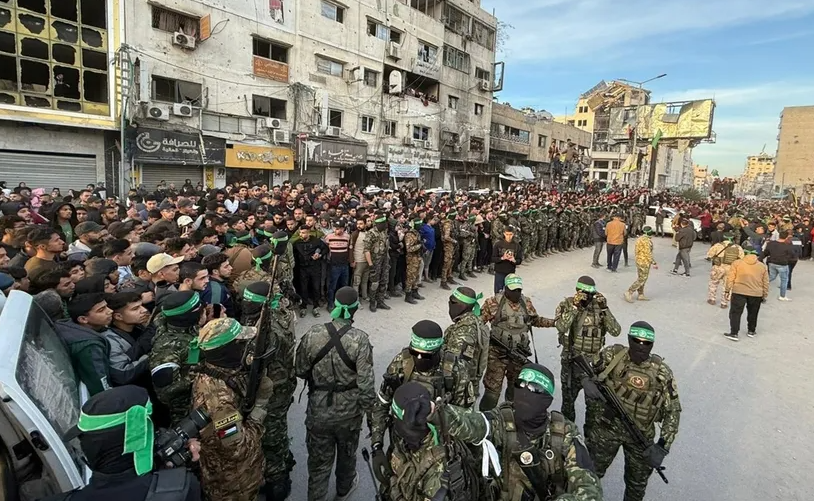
<point x="612" y="401"/>
<point x="518" y="355"/>
<point x="262" y="348"/>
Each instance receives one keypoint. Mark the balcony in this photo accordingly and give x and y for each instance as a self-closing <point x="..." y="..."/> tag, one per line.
<point x="513" y="143"/>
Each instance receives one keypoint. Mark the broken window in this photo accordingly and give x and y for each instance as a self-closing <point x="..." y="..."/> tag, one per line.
<point x="335" y="118"/>
<point x="34" y="76"/>
<point x="92" y="37"/>
<point x="5" y="18"/>
<point x="69" y="106"/>
<point x="66" y="9"/>
<point x="95" y="86"/>
<point x="456" y="20"/>
<point x="268" y="107"/>
<point x="33" y="5"/>
<point x="66" y="82"/>
<point x="269" y="50"/>
<point x="94" y="59"/>
<point x="37" y="102"/>
<point x="455" y="58"/>
<point x="67" y="33"/>
<point x="7" y="42"/>
<point x="176" y="91"/>
<point x="170" y="21"/>
<point x="8" y="73"/>
<point x="65" y="54"/>
<point x="93" y="12"/>
<point x="34" y="47"/>
<point x="34" y="24"/>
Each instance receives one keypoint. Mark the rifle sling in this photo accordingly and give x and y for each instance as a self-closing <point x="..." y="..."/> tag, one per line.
<point x="334" y="342"/>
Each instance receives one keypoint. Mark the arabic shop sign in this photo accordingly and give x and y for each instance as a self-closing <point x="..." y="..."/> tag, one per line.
<point x="409" y="171"/>
<point x="335" y="153"/>
<point x="243" y="156"/>
<point x="175" y="148"/>
<point x="406" y="155"/>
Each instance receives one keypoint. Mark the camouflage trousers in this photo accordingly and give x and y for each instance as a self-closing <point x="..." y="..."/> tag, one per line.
<point x="542" y="241"/>
<point x="414" y="263"/>
<point x="533" y="243"/>
<point x="552" y="238"/>
<point x="643" y="274"/>
<point x="498" y="367"/>
<point x="526" y="244"/>
<point x="467" y="257"/>
<point x="276" y="443"/>
<point x="378" y="277"/>
<point x="717" y="276"/>
<point x="328" y="442"/>
<point x="571" y="384"/>
<point x="603" y="438"/>
<point x="449" y="256"/>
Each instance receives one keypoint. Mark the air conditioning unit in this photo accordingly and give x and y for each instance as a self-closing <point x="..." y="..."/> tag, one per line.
<point x="183" y="40"/>
<point x="485" y="85"/>
<point x="182" y="110"/>
<point x="273" y="123"/>
<point x="281" y="136"/>
<point x="456" y="148"/>
<point x="333" y="131"/>
<point x="408" y="141"/>
<point x="394" y="51"/>
<point x="158" y="112"/>
<point x="428" y="144"/>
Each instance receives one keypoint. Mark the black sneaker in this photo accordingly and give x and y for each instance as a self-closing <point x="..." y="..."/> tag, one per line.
<point x="674" y="272"/>
<point x="730" y="336"/>
<point x="685" y="274"/>
<point x="751" y="333"/>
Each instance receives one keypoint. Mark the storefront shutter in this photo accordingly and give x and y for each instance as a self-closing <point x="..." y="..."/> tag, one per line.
<point x="151" y="175"/>
<point x="48" y="171"/>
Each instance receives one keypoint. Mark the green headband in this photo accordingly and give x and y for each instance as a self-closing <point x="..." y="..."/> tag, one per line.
<point x="184" y="308"/>
<point x="586" y="287"/>
<point x="265" y="233"/>
<point x="425" y="344"/>
<point x="380" y="219"/>
<point x="642" y="333"/>
<point x="139" y="434"/>
<point x="247" y="236"/>
<point x="452" y="214"/>
<point x="342" y="309"/>
<point x="258" y="261"/>
<point x="750" y="251"/>
<point x="471" y="218"/>
<point x="224" y="338"/>
<point x="513" y="281"/>
<point x="537" y="377"/>
<point x="251" y="297"/>
<point x="399" y="413"/>
<point x="460" y="296"/>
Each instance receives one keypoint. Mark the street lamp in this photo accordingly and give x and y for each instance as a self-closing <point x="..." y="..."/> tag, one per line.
<point x="640" y="84"/>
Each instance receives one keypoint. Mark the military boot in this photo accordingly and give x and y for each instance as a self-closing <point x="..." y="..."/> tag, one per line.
<point x="418" y="296"/>
<point x="462" y="277"/>
<point x="373" y="306"/>
<point x="382" y="305"/>
<point x="471" y="274"/>
<point x="445" y="286"/>
<point x="452" y="281"/>
<point x="408" y="298"/>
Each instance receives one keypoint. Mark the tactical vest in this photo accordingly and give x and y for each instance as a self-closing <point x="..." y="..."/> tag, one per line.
<point x="463" y="483"/>
<point x="590" y="339"/>
<point x="731" y="254"/>
<point x="509" y="326"/>
<point x="515" y="452"/>
<point x="439" y="383"/>
<point x="637" y="386"/>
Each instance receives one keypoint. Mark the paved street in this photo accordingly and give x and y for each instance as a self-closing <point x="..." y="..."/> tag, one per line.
<point x="748" y="414"/>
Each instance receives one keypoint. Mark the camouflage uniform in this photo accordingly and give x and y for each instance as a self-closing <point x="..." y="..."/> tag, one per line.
<point x="722" y="255"/>
<point x="648" y="393"/>
<point x="575" y="229"/>
<point x="510" y="324"/>
<point x="569" y="469"/>
<point x="553" y="227"/>
<point x="338" y="396"/>
<point x="233" y="439"/>
<point x="376" y="244"/>
<point x="413" y="248"/>
<point x="583" y="331"/>
<point x="468" y="340"/>
<point x="644" y="260"/>
<point x="525" y="231"/>
<point x="534" y="219"/>
<point x="563" y="230"/>
<point x="468" y="237"/>
<point x="447" y="238"/>
<point x="542" y="233"/>
<point x="170" y="348"/>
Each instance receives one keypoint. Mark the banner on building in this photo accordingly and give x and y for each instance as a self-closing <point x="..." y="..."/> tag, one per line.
<point x="157" y="146"/>
<point x="401" y="170"/>
<point x="408" y="155"/>
<point x="244" y="156"/>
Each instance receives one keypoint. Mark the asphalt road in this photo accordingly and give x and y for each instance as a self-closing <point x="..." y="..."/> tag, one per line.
<point x="747" y="425"/>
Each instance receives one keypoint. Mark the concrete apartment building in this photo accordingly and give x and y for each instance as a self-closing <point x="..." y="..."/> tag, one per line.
<point x="758" y="175"/>
<point x="315" y="90"/>
<point x="58" y="113"/>
<point x="702" y="179"/>
<point x="521" y="139"/>
<point x="794" y="164"/>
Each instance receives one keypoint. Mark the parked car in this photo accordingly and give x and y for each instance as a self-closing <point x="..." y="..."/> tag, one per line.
<point x="670" y="213"/>
<point x="40" y="400"/>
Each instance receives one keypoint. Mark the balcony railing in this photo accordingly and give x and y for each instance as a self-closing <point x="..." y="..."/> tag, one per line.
<point x="510" y="137"/>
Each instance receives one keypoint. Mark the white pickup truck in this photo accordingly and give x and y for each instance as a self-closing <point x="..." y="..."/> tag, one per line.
<point x="40" y="400"/>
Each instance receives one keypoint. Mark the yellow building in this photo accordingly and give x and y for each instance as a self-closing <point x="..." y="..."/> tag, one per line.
<point x="58" y="113"/>
<point x="701" y="177"/>
<point x="582" y="118"/>
<point x="758" y="164"/>
<point x="795" y="147"/>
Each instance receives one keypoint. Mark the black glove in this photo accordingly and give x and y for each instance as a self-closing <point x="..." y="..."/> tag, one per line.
<point x="655" y="454"/>
<point x="591" y="390"/>
<point x="381" y="466"/>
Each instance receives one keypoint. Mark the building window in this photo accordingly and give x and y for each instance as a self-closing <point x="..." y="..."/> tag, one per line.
<point x="333" y="11"/>
<point x="582" y="123"/>
<point x="456" y="59"/>
<point x="482" y="74"/>
<point x="450" y="138"/>
<point x="269" y="50"/>
<point x="541" y="141"/>
<point x="427" y="52"/>
<point x="368" y="124"/>
<point x="456" y="20"/>
<point x="483" y="35"/>
<point x="334" y="118"/>
<point x="378" y="30"/>
<point x="421" y="133"/>
<point x="476" y="144"/>
<point x="329" y="67"/>
<point x="583" y="109"/>
<point x="170" y="21"/>
<point x="395" y="36"/>
<point x="268" y="107"/>
<point x="478" y="109"/>
<point x="371" y="78"/>
<point x="453" y="103"/>
<point x="389" y="128"/>
<point x="176" y="91"/>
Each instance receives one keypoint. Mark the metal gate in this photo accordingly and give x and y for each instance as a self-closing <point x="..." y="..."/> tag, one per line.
<point x="314" y="175"/>
<point x="151" y="175"/>
<point x="47" y="170"/>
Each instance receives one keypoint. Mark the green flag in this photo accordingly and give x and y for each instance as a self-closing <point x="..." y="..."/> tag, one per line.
<point x="656" y="139"/>
<point x="715" y="173"/>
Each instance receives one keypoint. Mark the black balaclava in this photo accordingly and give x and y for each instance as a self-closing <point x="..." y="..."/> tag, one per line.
<point x="281" y="242"/>
<point x="425" y="345"/>
<point x="458" y="307"/>
<point x="411" y="406"/>
<point x="586" y="285"/>
<point x="640" y="341"/>
<point x="229" y="356"/>
<point x="182" y="309"/>
<point x="533" y="395"/>
<point x="252" y="309"/>
<point x="513" y="295"/>
<point x="346" y="303"/>
<point x="104" y="449"/>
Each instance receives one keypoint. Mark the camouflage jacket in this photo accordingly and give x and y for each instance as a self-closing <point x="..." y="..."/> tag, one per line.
<point x="596" y="322"/>
<point x="636" y="390"/>
<point x="468" y="340"/>
<point x="447" y="233"/>
<point x="467" y="233"/>
<point x="412" y="243"/>
<point x="572" y="469"/>
<point x="336" y="392"/>
<point x="170" y="350"/>
<point x="450" y="379"/>
<point x="280" y="366"/>
<point x="230" y="440"/>
<point x="376" y="243"/>
<point x="498" y="227"/>
<point x="513" y="322"/>
<point x="644" y="252"/>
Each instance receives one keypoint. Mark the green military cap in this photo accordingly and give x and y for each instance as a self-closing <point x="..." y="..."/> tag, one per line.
<point x="217" y="333"/>
<point x="513" y="282"/>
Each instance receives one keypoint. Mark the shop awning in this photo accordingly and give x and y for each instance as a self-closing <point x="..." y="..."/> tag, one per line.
<point x="517" y="173"/>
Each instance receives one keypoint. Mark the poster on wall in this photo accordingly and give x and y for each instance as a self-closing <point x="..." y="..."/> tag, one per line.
<point x="407" y="155"/>
<point x="407" y="171"/>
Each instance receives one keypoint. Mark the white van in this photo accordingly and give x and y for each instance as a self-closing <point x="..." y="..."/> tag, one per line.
<point x="39" y="402"/>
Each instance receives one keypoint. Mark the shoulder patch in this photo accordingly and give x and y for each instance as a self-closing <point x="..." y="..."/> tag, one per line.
<point x="222" y="423"/>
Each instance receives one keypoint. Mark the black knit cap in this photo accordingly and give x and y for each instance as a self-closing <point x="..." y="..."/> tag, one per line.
<point x="414" y="401"/>
<point x="259" y="288"/>
<point x="427" y="336"/>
